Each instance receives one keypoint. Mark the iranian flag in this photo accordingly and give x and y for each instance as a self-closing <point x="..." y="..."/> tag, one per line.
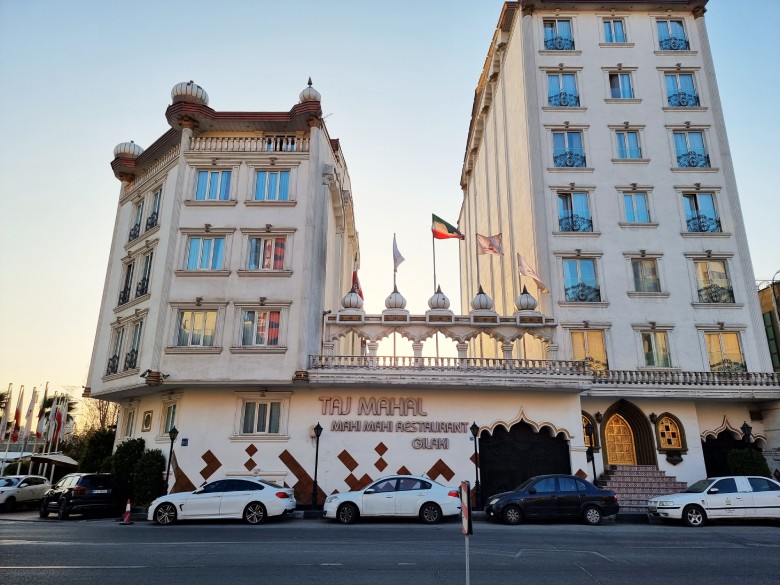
<point x="444" y="231"/>
<point x="17" y="417"/>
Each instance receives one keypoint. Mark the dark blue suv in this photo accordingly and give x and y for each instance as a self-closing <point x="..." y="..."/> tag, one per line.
<point x="81" y="493"/>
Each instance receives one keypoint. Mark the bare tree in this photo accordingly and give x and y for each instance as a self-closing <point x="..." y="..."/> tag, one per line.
<point x="96" y="414"/>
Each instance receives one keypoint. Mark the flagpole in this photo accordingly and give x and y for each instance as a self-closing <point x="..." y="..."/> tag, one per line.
<point x="433" y="245"/>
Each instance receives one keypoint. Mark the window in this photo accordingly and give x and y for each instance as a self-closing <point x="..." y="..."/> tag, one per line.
<point x="690" y="150"/>
<point x="614" y="30"/>
<point x="574" y="213"/>
<point x="154" y="212"/>
<point x="266" y="253"/>
<point x="645" y="271"/>
<point x="671" y="35"/>
<point x="138" y="212"/>
<point x="128" y="423"/>
<point x="546" y="485"/>
<point x="628" y="144"/>
<point x="581" y="284"/>
<point x="272" y="186"/>
<point x="143" y="284"/>
<point x="655" y="347"/>
<point x="562" y="90"/>
<point x="127" y="284"/>
<point x="760" y="484"/>
<point x="213" y="186"/>
<point x="567" y="149"/>
<point x="196" y="328"/>
<point x="725" y="486"/>
<point x="205" y="253"/>
<point x="260" y="328"/>
<point x="116" y="344"/>
<point x="589" y="344"/>
<point x="406" y="484"/>
<point x="636" y="208"/>
<point x="669" y="433"/>
<point x="712" y="282"/>
<point x="558" y="35"/>
<point x="131" y="357"/>
<point x="681" y="91"/>
<point x="620" y="86"/>
<point x="724" y="352"/>
<point x="261" y="416"/>
<point x="700" y="212"/>
<point x="169" y="410"/>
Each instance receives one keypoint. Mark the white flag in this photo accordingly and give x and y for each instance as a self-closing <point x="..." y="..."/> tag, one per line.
<point x="55" y="403"/>
<point x="397" y="258"/>
<point x="490" y="245"/>
<point x="31" y="412"/>
<point x="526" y="270"/>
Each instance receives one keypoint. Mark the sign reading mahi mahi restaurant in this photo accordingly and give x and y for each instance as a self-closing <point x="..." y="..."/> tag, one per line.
<point x="389" y="407"/>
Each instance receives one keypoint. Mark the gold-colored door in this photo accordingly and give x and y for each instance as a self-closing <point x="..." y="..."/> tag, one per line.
<point x="619" y="437"/>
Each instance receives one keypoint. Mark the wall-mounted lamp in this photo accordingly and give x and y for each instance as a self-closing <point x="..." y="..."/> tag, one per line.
<point x="198" y="301"/>
<point x="599" y="417"/>
<point x="262" y="301"/>
<point x="207" y="227"/>
<point x="653" y="418"/>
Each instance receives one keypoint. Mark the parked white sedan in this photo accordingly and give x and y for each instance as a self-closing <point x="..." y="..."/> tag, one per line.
<point x="720" y="497"/>
<point x="21" y="489"/>
<point x="397" y="495"/>
<point x="250" y="499"/>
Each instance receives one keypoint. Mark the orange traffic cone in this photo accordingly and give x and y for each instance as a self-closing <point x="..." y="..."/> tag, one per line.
<point x="126" y="518"/>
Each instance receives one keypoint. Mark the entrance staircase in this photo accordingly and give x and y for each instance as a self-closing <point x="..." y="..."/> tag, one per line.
<point x="635" y="484"/>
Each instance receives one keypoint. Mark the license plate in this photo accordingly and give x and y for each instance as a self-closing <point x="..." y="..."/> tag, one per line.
<point x="100" y="491"/>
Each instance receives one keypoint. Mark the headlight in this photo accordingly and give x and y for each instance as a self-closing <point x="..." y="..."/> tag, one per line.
<point x="492" y="501"/>
<point x="330" y="499"/>
<point x="665" y="504"/>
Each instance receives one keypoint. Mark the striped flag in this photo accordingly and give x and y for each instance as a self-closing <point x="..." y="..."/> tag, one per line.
<point x="17" y="417"/>
<point x="6" y="413"/>
<point x="355" y="281"/>
<point x="444" y="231"/>
<point x="52" y="414"/>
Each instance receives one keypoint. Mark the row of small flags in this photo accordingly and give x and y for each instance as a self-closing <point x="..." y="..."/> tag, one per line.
<point x="50" y="425"/>
<point x="443" y="230"/>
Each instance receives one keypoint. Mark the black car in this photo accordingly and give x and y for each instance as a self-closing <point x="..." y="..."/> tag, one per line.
<point x="552" y="497"/>
<point x="81" y="493"/>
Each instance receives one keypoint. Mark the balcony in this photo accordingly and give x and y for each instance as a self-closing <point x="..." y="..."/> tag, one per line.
<point x="124" y="296"/>
<point x="714" y="293"/>
<point x="683" y="99"/>
<point x="583" y="293"/>
<point x="558" y="43"/>
<point x="693" y="159"/>
<point x="151" y="221"/>
<point x="703" y="223"/>
<point x="113" y="365"/>
<point x="673" y="44"/>
<point x="564" y="100"/>
<point x="271" y="143"/>
<point x="569" y="158"/>
<point x="575" y="223"/>
<point x="142" y="287"/>
<point x="135" y="231"/>
<point x="729" y="366"/>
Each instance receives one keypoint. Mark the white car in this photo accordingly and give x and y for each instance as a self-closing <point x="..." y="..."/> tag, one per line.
<point x="397" y="495"/>
<point x="720" y="497"/>
<point x="21" y="489"/>
<point x="250" y="499"/>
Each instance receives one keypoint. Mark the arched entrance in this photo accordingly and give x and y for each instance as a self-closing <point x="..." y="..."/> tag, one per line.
<point x="508" y="458"/>
<point x="716" y="451"/>
<point x="627" y="436"/>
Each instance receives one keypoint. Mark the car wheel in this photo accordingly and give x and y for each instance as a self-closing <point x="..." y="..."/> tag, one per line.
<point x="694" y="516"/>
<point x="165" y="514"/>
<point x="254" y="513"/>
<point x="10" y="504"/>
<point x="347" y="514"/>
<point x="592" y="516"/>
<point x="43" y="510"/>
<point x="430" y="513"/>
<point x="512" y="515"/>
<point x="62" y="510"/>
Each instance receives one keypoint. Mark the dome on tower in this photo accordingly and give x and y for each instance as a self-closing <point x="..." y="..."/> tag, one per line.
<point x="352" y="300"/>
<point x="482" y="302"/>
<point x="526" y="301"/>
<point x="309" y="94"/>
<point x="189" y="91"/>
<point x="396" y="300"/>
<point x="127" y="150"/>
<point x="439" y="300"/>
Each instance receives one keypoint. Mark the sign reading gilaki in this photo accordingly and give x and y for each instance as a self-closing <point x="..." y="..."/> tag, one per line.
<point x="383" y="406"/>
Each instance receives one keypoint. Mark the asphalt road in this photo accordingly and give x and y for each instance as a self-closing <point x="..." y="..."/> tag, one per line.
<point x="296" y="551"/>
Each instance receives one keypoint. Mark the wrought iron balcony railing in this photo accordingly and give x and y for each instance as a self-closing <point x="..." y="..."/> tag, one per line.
<point x="113" y="365"/>
<point x="124" y="296"/>
<point x="683" y="99"/>
<point x="569" y="158"/>
<point x="135" y="231"/>
<point x="729" y="365"/>
<point x="130" y="359"/>
<point x="703" y="223"/>
<point x="142" y="287"/>
<point x="714" y="293"/>
<point x="558" y="43"/>
<point x="564" y="100"/>
<point x="673" y="44"/>
<point x="693" y="159"/>
<point x="575" y="223"/>
<point x="583" y="293"/>
<point x="151" y="221"/>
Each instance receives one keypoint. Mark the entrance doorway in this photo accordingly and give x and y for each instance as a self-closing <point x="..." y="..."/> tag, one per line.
<point x="619" y="441"/>
<point x="627" y="436"/>
<point x="716" y="451"/>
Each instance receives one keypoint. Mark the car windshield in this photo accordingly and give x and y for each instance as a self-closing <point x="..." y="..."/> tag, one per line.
<point x="8" y="481"/>
<point x="699" y="487"/>
<point x="523" y="485"/>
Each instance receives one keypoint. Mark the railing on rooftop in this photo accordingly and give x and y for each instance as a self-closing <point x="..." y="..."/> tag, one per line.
<point x="271" y="143"/>
<point x="686" y="378"/>
<point x="526" y="366"/>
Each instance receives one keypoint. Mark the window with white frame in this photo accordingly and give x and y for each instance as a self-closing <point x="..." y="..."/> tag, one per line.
<point x="589" y="344"/>
<point x="671" y="35"/>
<point x="681" y="90"/>
<point x="628" y="145"/>
<point x="574" y="213"/>
<point x="568" y="148"/>
<point x="196" y="328"/>
<point x="154" y="209"/>
<point x="655" y="348"/>
<point x="117" y="343"/>
<point x="701" y="214"/>
<point x="581" y="283"/>
<point x="261" y="414"/>
<point x="636" y="207"/>
<point x="260" y="327"/>
<point x="562" y="90"/>
<point x="205" y="252"/>
<point x="131" y="357"/>
<point x="272" y="185"/>
<point x="725" y="352"/>
<point x="645" y="273"/>
<point x="128" y="423"/>
<point x="690" y="149"/>
<point x="127" y="283"/>
<point x="169" y="417"/>
<point x="138" y="214"/>
<point x="621" y="86"/>
<point x="712" y="281"/>
<point x="142" y="287"/>
<point x="213" y="186"/>
<point x="266" y="253"/>
<point x="558" y="34"/>
<point x="614" y="30"/>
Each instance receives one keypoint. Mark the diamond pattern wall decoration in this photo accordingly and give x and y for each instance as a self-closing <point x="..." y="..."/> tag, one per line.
<point x="212" y="464"/>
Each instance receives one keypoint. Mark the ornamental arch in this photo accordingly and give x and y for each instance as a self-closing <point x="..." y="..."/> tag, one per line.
<point x="627" y="436"/>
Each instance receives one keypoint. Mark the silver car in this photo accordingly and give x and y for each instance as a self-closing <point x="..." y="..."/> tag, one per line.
<point x="21" y="489"/>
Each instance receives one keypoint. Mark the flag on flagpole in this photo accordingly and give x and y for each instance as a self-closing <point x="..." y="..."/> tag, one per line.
<point x="6" y="413"/>
<point x="60" y="417"/>
<point x="52" y="414"/>
<point x="42" y="414"/>
<point x="31" y="412"/>
<point x="397" y="258"/>
<point x="355" y="282"/>
<point x="526" y="270"/>
<point x="17" y="416"/>
<point x="490" y="245"/>
<point x="443" y="230"/>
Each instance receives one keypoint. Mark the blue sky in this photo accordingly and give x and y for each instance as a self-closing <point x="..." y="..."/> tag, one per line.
<point x="397" y="83"/>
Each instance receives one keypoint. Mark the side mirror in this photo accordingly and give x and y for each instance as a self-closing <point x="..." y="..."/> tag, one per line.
<point x="713" y="491"/>
<point x="369" y="491"/>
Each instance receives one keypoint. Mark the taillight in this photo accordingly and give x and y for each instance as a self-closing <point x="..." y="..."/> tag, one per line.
<point x="282" y="495"/>
<point x="79" y="490"/>
<point x="454" y="494"/>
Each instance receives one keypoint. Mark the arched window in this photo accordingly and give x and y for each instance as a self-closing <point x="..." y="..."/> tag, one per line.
<point x="670" y="433"/>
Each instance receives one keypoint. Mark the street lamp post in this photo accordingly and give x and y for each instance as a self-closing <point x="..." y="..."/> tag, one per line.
<point x="747" y="430"/>
<point x="474" y="431"/>
<point x="317" y="433"/>
<point x="173" y="433"/>
<point x="589" y="428"/>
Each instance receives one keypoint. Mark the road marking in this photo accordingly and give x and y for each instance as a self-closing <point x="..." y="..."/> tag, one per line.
<point x="60" y="567"/>
<point x="330" y="564"/>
